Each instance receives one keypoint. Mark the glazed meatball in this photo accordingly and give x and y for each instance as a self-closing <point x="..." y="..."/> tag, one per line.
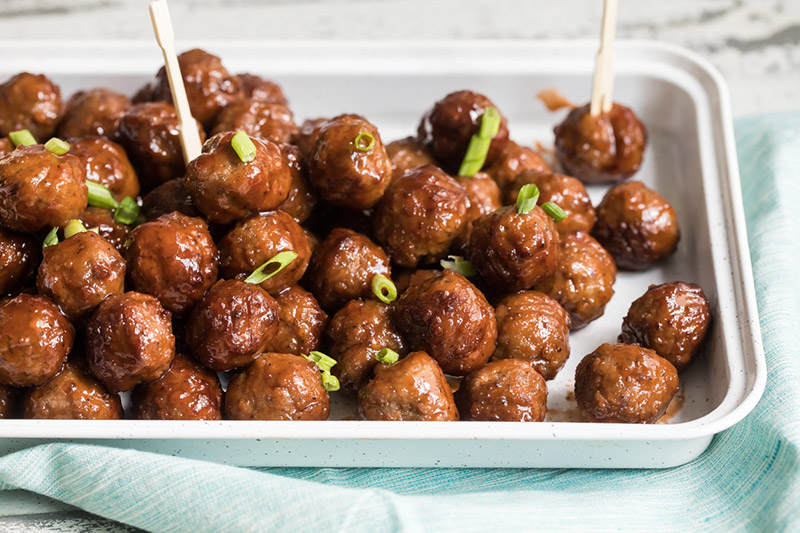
<point x="624" y="383"/>
<point x="583" y="280"/>
<point x="231" y="325"/>
<point x="604" y="149"/>
<point x="514" y="160"/>
<point x="35" y="340"/>
<point x="413" y="389"/>
<point x="532" y="327"/>
<point x="39" y="189"/>
<point x="301" y="322"/>
<point x="357" y="332"/>
<point x="103" y="219"/>
<point x="168" y="197"/>
<point x="79" y="272"/>
<point x="567" y="193"/>
<point x="512" y="251"/>
<point x="448" y="127"/>
<point x="636" y="225"/>
<point x="9" y="402"/>
<point x="671" y="319"/>
<point x="6" y="146"/>
<point x="209" y="87"/>
<point x="408" y="277"/>
<point x="258" y="88"/>
<point x="406" y="154"/>
<point x="421" y="215"/>
<point x="343" y="267"/>
<point x="306" y="137"/>
<point x="450" y="319"/>
<point x="30" y="102"/>
<point x="96" y="112"/>
<point x="256" y="240"/>
<point x="484" y="197"/>
<point x="72" y="394"/>
<point x="302" y="199"/>
<point x="266" y="120"/>
<point x="129" y="341"/>
<point x="19" y="257"/>
<point x="143" y="94"/>
<point x="106" y="163"/>
<point x="173" y="258"/>
<point x="277" y="386"/>
<point x="150" y="135"/>
<point x="349" y="165"/>
<point x="508" y="390"/>
<point x="225" y="188"/>
<point x="186" y="391"/>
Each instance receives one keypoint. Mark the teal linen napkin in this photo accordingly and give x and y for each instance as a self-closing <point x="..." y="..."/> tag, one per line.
<point x="747" y="479"/>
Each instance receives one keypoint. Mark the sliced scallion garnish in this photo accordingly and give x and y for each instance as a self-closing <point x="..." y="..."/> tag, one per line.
<point x="127" y="212"/>
<point x="51" y="238"/>
<point x="383" y="288"/>
<point x="479" y="144"/>
<point x="555" y="212"/>
<point x="282" y="259"/>
<point x="22" y="138"/>
<point x="361" y="145"/>
<point x="388" y="356"/>
<point x="324" y="362"/>
<point x="527" y="198"/>
<point x="100" y="196"/>
<point x="459" y="265"/>
<point x="243" y="146"/>
<point x="330" y="382"/>
<point x="73" y="227"/>
<point x="56" y="146"/>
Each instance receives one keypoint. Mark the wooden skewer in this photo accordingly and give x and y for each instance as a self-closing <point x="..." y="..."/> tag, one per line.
<point x="603" y="81"/>
<point x="187" y="126"/>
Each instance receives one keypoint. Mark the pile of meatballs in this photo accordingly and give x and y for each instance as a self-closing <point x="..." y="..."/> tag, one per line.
<point x="477" y="297"/>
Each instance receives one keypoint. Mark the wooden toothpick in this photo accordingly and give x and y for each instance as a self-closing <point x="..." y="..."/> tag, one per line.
<point x="603" y="82"/>
<point x="162" y="26"/>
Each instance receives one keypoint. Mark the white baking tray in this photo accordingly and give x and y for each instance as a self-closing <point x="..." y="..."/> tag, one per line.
<point x="691" y="160"/>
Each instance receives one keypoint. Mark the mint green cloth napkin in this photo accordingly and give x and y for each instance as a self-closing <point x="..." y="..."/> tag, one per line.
<point x="747" y="479"/>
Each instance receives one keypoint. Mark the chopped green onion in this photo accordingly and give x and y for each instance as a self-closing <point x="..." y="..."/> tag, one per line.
<point x="127" y="243"/>
<point x="51" y="238"/>
<point x="324" y="362"/>
<point x="330" y="382"/>
<point x="73" y="227"/>
<point x="490" y="123"/>
<point x="360" y="145"/>
<point x="56" y="146"/>
<point x="243" y="147"/>
<point x="554" y="211"/>
<point x="527" y="198"/>
<point x="479" y="143"/>
<point x="459" y="265"/>
<point x="387" y="355"/>
<point x="22" y="138"/>
<point x="282" y="259"/>
<point x="100" y="196"/>
<point x="127" y="212"/>
<point x="94" y="230"/>
<point x="383" y="288"/>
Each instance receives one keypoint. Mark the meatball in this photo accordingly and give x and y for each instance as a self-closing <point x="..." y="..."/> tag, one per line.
<point x="301" y="322"/>
<point x="19" y="256"/>
<point x="508" y="390"/>
<point x="231" y="325"/>
<point x="532" y="327"/>
<point x="408" y="277"/>
<point x="406" y="154"/>
<point x="357" y="332"/>
<point x="484" y="197"/>
<point x="168" y="197"/>
<point x="35" y="340"/>
<point x="421" y="215"/>
<point x="343" y="266"/>
<point x="72" y="394"/>
<point x="413" y="389"/>
<point x="514" y="160"/>
<point x="106" y="163"/>
<point x="96" y="112"/>
<point x="449" y="126"/>
<point x="39" y="189"/>
<point x="150" y="135"/>
<point x="671" y="319"/>
<point x="302" y="199"/>
<point x="583" y="280"/>
<point x="511" y="251"/>
<point x="258" y="88"/>
<point x="450" y="319"/>
<point x="129" y="341"/>
<point x="277" y="386"/>
<point x="306" y="137"/>
<point x="604" y="149"/>
<point x="9" y="402"/>
<point x="624" y="383"/>
<point x="173" y="258"/>
<point x="103" y="219"/>
<point x="266" y="120"/>
<point x="636" y="225"/>
<point x="349" y="165"/>
<point x="186" y="391"/>
<point x="30" y="102"/>
<point x="143" y="94"/>
<point x="209" y="87"/>
<point x="256" y="240"/>
<point x="567" y="193"/>
<point x="6" y="146"/>
<point x="226" y="189"/>
<point x="79" y="272"/>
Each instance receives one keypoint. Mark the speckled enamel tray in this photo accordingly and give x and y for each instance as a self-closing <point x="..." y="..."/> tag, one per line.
<point x="691" y="160"/>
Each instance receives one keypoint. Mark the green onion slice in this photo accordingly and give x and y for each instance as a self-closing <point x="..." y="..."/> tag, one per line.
<point x="364" y="146"/>
<point x="479" y="143"/>
<point x="56" y="146"/>
<point x="555" y="212"/>
<point x="51" y="238"/>
<point x="127" y="243"/>
<point x="459" y="265"/>
<point x="383" y="288"/>
<point x="490" y="123"/>
<point x="324" y="362"/>
<point x="100" y="196"/>
<point x="527" y="198"/>
<point x="22" y="138"/>
<point x="282" y="259"/>
<point x="387" y="355"/>
<point x="243" y="147"/>
<point x="330" y="382"/>
<point x="127" y="212"/>
<point x="73" y="227"/>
